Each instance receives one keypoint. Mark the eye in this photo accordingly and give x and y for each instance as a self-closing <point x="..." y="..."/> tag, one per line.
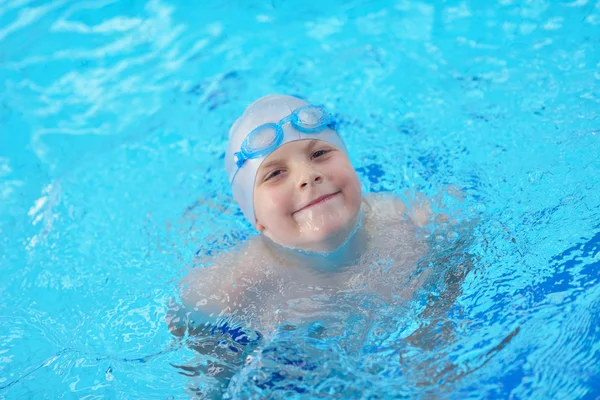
<point x="273" y="174"/>
<point x="320" y="153"/>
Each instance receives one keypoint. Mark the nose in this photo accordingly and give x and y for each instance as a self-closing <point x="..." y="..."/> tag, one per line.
<point x="312" y="177"/>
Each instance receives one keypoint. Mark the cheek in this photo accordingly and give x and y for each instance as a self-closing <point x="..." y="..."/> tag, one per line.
<point x="344" y="175"/>
<point x="356" y="193"/>
<point x="273" y="201"/>
<point x="353" y="189"/>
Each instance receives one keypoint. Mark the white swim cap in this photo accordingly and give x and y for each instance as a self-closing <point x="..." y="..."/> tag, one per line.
<point x="270" y="109"/>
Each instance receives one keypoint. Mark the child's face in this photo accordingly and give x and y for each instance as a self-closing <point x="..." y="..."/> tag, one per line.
<point x="307" y="195"/>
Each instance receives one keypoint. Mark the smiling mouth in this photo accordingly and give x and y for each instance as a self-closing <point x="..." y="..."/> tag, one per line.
<point x="319" y="200"/>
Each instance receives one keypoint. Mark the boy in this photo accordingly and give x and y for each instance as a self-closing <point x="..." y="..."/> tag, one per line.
<point x="292" y="178"/>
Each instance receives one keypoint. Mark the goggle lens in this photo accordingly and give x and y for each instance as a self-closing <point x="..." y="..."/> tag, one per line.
<point x="261" y="138"/>
<point x="311" y="117"/>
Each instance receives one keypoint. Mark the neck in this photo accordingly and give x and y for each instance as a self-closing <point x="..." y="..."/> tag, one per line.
<point x="346" y="254"/>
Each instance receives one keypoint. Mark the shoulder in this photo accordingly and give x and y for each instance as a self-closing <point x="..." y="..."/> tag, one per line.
<point x="384" y="206"/>
<point x="389" y="206"/>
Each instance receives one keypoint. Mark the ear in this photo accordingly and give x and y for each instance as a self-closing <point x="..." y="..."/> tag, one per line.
<point x="260" y="227"/>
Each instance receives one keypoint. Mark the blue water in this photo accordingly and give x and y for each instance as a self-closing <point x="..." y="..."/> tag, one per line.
<point x="113" y="122"/>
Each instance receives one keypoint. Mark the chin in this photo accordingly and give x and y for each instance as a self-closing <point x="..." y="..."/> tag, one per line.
<point x="319" y="234"/>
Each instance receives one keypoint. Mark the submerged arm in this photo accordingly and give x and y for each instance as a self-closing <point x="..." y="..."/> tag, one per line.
<point x="205" y="318"/>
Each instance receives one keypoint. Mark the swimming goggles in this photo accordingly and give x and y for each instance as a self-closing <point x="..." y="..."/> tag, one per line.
<point x="267" y="137"/>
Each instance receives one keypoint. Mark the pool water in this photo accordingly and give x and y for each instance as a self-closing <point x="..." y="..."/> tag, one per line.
<point x="113" y="123"/>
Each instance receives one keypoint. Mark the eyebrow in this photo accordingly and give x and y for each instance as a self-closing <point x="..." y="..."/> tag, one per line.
<point x="311" y="145"/>
<point x="270" y="164"/>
